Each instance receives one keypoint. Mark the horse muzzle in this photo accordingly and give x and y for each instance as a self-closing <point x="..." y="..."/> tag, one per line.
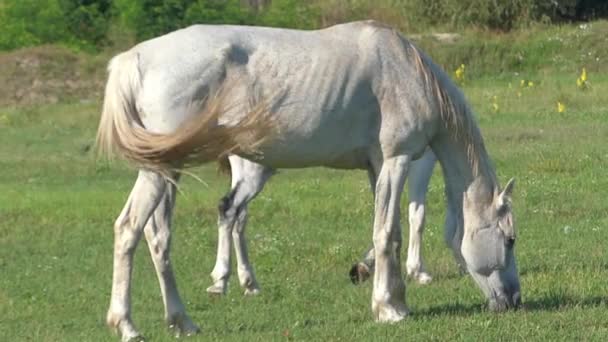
<point x="505" y="302"/>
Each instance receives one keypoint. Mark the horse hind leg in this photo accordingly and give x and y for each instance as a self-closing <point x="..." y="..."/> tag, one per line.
<point x="248" y="179"/>
<point x="158" y="236"/>
<point x="245" y="272"/>
<point x="419" y="176"/>
<point x="144" y="198"/>
<point x="364" y="268"/>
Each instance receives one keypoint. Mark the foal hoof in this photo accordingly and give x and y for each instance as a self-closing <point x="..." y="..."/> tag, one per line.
<point x="359" y="273"/>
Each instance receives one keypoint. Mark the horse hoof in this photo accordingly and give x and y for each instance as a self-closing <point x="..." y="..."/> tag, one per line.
<point x="419" y="274"/>
<point x="182" y="325"/>
<point x="123" y="327"/>
<point x="359" y="273"/>
<point x="252" y="292"/>
<point x="390" y="314"/>
<point x="136" y="338"/>
<point x="422" y="278"/>
<point x="216" y="290"/>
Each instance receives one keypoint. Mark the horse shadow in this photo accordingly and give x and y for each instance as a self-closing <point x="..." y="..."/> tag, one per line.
<point x="551" y="300"/>
<point x="548" y="302"/>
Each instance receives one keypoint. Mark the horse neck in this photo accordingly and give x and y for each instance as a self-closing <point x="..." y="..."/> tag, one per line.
<point x="458" y="144"/>
<point x="475" y="179"/>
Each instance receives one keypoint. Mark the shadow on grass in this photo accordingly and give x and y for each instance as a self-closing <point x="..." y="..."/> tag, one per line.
<point x="550" y="302"/>
<point x="580" y="265"/>
<point x="451" y="310"/>
<point x="560" y="301"/>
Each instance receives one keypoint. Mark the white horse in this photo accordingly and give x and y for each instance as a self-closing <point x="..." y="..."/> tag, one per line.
<point x="352" y="96"/>
<point x="248" y="179"/>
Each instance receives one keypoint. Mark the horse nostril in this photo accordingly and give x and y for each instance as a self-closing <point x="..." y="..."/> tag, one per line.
<point x="510" y="242"/>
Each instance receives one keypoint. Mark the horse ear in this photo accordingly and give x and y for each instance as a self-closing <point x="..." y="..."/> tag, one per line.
<point x="508" y="190"/>
<point x="504" y="198"/>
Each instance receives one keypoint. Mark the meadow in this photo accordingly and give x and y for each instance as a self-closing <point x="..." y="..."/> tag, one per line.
<point x="57" y="207"/>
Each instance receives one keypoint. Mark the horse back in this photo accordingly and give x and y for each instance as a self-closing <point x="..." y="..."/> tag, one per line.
<point x="327" y="88"/>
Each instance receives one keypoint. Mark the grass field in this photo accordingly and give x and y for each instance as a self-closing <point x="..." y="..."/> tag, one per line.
<point x="57" y="207"/>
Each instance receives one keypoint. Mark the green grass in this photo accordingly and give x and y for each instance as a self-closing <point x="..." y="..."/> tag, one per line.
<point x="557" y="49"/>
<point x="57" y="207"/>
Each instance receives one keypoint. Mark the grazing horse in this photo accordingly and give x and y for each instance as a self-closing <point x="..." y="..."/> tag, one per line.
<point x="352" y="96"/>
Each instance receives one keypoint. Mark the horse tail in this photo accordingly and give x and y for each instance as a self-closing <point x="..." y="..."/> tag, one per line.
<point x="198" y="140"/>
<point x="115" y="133"/>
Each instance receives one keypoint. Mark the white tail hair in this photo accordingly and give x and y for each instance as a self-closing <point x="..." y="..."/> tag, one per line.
<point x="198" y="140"/>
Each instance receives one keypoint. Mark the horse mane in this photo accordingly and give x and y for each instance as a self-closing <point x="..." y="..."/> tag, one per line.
<point x="456" y="114"/>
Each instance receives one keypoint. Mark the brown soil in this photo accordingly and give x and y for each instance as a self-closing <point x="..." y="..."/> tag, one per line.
<point x="49" y="74"/>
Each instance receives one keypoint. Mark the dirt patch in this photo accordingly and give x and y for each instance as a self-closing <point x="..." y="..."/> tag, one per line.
<point x="49" y="74"/>
<point x="449" y="38"/>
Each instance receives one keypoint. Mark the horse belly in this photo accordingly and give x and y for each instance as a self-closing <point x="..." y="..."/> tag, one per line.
<point x="339" y="141"/>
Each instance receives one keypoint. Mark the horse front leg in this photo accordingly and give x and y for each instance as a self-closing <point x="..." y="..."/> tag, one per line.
<point x="418" y="179"/>
<point x="158" y="236"/>
<point x="145" y="196"/>
<point x="453" y="233"/>
<point x="388" y="295"/>
<point x="419" y="176"/>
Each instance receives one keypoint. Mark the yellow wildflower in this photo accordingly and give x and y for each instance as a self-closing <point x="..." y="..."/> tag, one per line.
<point x="581" y="81"/>
<point x="459" y="74"/>
<point x="561" y="107"/>
<point x="526" y="83"/>
<point x="584" y="75"/>
<point x="495" y="106"/>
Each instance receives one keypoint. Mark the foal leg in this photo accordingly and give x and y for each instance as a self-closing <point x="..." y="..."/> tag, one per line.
<point x="388" y="295"/>
<point x="248" y="179"/>
<point x="158" y="236"/>
<point x="419" y="176"/>
<point x="145" y="196"/>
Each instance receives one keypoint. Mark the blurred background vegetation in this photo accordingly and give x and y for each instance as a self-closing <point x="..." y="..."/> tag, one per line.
<point x="92" y="25"/>
<point x="56" y="50"/>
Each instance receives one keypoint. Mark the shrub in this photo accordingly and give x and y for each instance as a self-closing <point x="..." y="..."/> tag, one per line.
<point x="87" y="21"/>
<point x="83" y="23"/>
<point x="31" y="22"/>
<point x="151" y="18"/>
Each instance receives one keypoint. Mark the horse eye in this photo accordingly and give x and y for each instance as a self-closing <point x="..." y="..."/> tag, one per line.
<point x="502" y="210"/>
<point x="510" y="241"/>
